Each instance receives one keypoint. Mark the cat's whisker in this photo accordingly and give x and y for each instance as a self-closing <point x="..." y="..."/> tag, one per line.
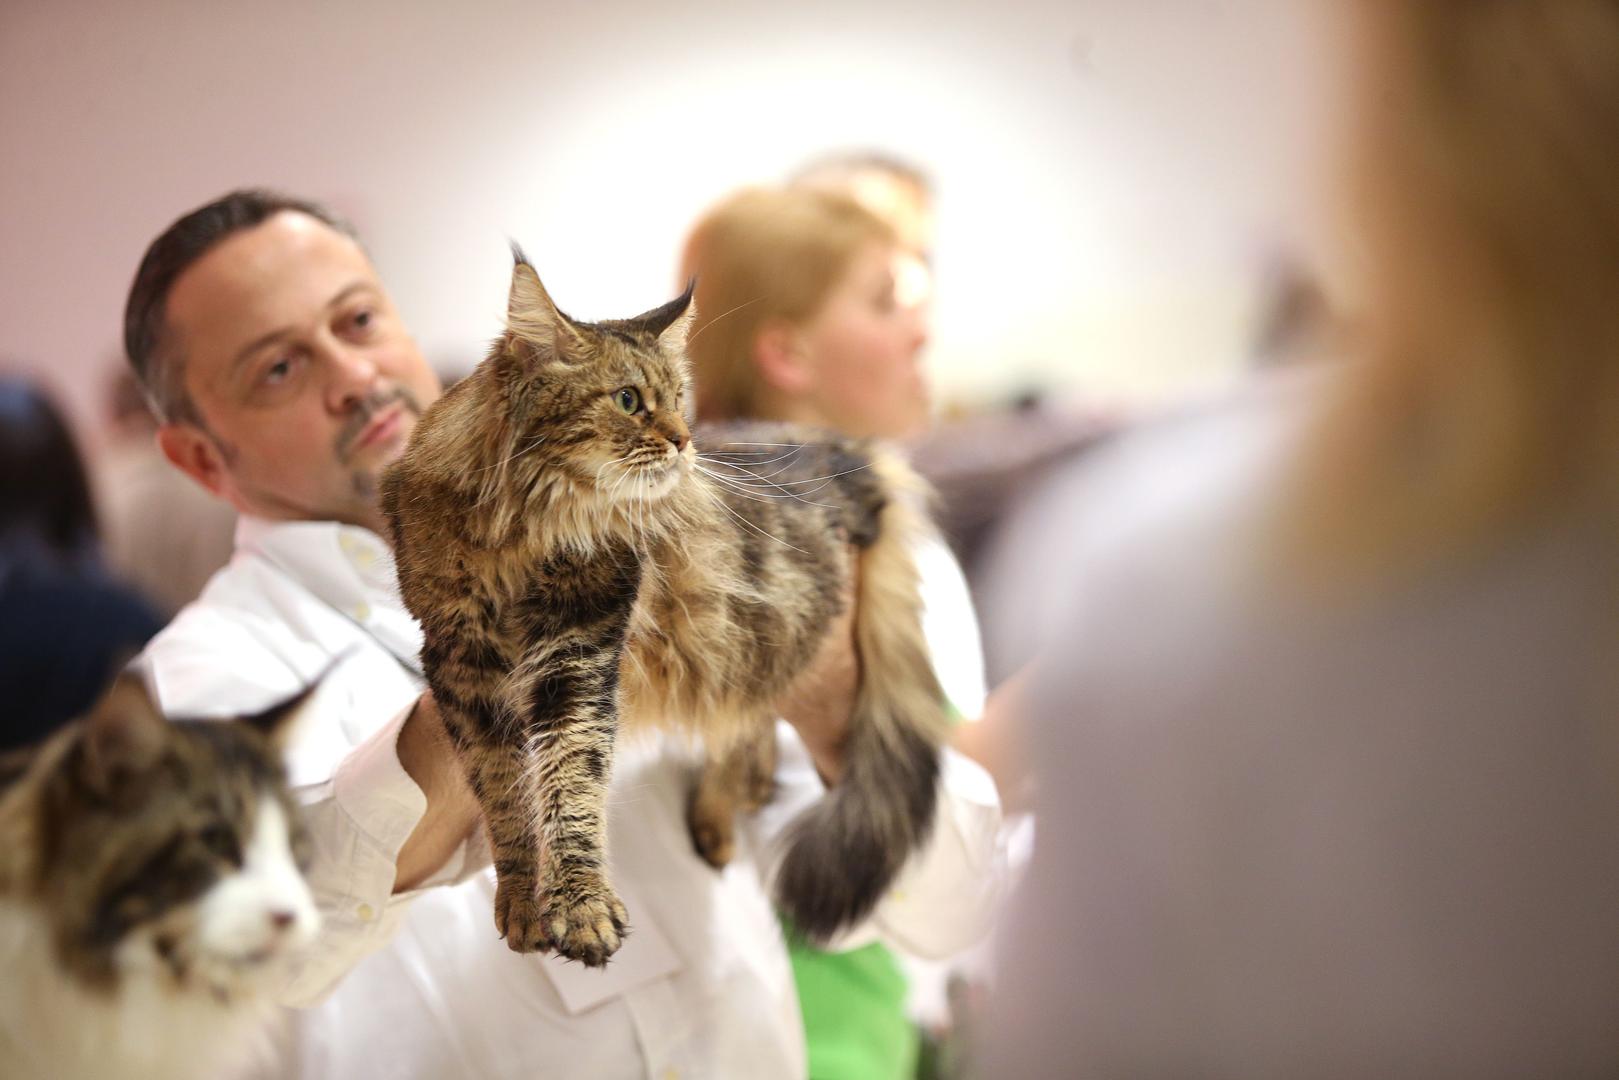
<point x="763" y="496"/>
<point x="721" y="504"/>
<point x="751" y="472"/>
<point x="749" y="468"/>
<point x="754" y="480"/>
<point x="721" y="455"/>
<point x="720" y="316"/>
<point x="532" y="443"/>
<point x="604" y="466"/>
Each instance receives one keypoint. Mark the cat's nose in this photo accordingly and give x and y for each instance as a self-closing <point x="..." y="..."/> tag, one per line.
<point x="680" y="439"/>
<point x="280" y="920"/>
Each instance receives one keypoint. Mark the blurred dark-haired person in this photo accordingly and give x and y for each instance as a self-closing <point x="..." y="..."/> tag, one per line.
<point x="65" y="625"/>
<point x="1329" y="739"/>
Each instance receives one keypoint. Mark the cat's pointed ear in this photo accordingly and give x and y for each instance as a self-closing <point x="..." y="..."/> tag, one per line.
<point x="671" y="323"/>
<point x="124" y="735"/>
<point x="531" y="317"/>
<point x="276" y="722"/>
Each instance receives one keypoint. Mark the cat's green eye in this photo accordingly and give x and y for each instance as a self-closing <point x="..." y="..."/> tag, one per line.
<point x="628" y="399"/>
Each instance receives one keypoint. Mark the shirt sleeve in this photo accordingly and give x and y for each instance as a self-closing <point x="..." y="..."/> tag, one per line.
<point x="358" y="820"/>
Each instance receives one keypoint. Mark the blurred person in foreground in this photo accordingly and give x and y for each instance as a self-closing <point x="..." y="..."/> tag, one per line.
<point x="287" y="381"/>
<point x="1330" y="739"/>
<point x="800" y="318"/>
<point x="65" y="624"/>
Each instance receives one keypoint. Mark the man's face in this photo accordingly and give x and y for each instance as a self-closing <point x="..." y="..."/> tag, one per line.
<point x="306" y="381"/>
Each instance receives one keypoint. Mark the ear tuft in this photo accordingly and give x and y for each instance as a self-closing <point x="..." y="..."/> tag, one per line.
<point x="530" y="314"/>
<point x="671" y="322"/>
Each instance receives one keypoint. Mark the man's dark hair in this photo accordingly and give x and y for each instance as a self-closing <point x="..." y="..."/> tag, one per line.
<point x="157" y="365"/>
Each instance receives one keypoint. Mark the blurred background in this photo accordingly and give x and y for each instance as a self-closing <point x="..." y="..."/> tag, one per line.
<point x="1117" y="180"/>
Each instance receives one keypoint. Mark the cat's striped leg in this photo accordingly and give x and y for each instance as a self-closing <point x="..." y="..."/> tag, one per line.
<point x="737" y="780"/>
<point x="573" y="720"/>
<point x="466" y="682"/>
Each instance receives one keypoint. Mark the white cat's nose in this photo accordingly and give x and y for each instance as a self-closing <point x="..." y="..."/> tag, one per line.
<point x="280" y="921"/>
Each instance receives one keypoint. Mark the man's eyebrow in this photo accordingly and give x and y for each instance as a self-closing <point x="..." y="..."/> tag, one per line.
<point x="262" y="340"/>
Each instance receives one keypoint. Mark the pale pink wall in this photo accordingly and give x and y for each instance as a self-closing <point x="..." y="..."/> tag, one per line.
<point x="1094" y="158"/>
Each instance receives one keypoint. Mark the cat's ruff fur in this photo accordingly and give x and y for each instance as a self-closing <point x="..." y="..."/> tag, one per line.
<point x="53" y="1027"/>
<point x="575" y="567"/>
<point x="148" y="890"/>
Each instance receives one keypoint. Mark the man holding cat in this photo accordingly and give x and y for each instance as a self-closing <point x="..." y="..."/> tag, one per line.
<point x="287" y="382"/>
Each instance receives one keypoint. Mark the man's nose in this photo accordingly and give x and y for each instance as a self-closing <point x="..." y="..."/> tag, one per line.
<point x="351" y="375"/>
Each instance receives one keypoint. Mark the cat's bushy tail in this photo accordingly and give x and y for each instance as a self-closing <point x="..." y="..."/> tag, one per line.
<point x="844" y="852"/>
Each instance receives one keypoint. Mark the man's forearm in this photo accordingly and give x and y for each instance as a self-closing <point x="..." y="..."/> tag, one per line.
<point x="452" y="811"/>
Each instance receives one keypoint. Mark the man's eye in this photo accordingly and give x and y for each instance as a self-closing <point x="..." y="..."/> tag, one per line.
<point x="278" y="372"/>
<point x="363" y="319"/>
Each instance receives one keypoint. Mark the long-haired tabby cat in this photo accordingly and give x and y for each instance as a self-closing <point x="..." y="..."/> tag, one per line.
<point x="148" y="886"/>
<point x="575" y="568"/>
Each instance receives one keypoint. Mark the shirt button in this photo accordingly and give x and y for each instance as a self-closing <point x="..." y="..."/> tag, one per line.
<point x="366" y="912"/>
<point x="671" y="1074"/>
<point x="360" y="552"/>
<point x="362" y="611"/>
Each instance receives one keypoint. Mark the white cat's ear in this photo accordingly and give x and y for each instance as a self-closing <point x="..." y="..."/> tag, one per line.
<point x="124" y="734"/>
<point x="276" y="722"/>
<point x="531" y="317"/>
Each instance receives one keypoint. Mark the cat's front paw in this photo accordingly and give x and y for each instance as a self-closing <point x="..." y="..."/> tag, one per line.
<point x="520" y="918"/>
<point x="588" y="930"/>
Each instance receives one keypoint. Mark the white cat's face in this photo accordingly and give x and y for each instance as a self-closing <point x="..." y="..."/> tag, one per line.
<point x="244" y="926"/>
<point x="265" y="908"/>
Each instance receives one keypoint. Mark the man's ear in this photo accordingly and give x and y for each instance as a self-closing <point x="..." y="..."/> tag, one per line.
<point x="194" y="453"/>
<point x="780" y="358"/>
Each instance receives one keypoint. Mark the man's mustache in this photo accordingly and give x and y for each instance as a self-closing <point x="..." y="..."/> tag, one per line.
<point x="367" y="409"/>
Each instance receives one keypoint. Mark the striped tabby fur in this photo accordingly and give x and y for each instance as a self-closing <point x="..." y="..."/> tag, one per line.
<point x="577" y="566"/>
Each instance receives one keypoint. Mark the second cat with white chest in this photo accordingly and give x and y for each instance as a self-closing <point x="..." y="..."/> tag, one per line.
<point x="149" y="887"/>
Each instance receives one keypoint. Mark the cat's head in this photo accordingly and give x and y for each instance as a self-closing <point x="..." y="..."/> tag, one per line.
<point x="167" y="849"/>
<point x="604" y="404"/>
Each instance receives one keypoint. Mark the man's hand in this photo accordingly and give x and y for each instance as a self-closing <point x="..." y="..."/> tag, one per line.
<point x="452" y="812"/>
<point x="821" y="702"/>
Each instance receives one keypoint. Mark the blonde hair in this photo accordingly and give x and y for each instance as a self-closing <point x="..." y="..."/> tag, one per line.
<point x="761" y="255"/>
<point x="1487" y="390"/>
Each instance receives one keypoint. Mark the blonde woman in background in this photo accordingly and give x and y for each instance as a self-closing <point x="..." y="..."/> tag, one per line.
<point x="1330" y="739"/>
<point x="801" y="318"/>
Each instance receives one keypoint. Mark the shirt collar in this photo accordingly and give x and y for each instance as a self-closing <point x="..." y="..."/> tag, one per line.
<point x="346" y="567"/>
